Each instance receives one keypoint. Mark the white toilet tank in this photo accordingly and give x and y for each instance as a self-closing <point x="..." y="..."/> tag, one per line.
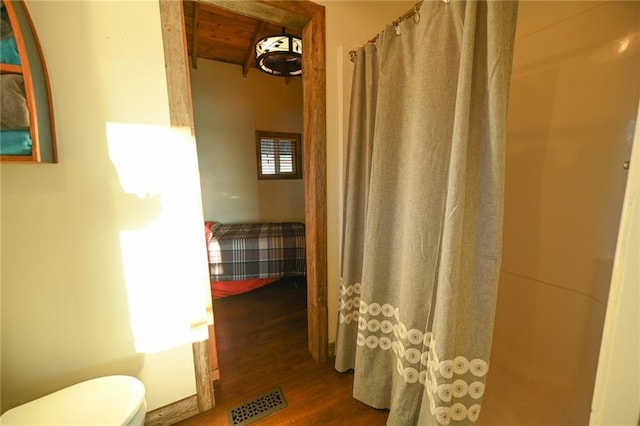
<point x="110" y="400"/>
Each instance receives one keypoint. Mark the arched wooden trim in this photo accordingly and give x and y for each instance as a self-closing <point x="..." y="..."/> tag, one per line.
<point x="37" y="87"/>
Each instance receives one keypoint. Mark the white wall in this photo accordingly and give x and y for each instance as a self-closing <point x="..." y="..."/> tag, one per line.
<point x="616" y="399"/>
<point x="573" y="104"/>
<point x="228" y="109"/>
<point x="90" y="244"/>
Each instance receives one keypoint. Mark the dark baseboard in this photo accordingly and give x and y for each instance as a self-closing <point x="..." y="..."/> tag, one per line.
<point x="173" y="413"/>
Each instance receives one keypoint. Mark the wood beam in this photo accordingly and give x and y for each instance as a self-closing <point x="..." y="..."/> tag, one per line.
<point x="204" y="381"/>
<point x="315" y="172"/>
<point x="194" y="35"/>
<point x="275" y="12"/>
<point x="250" y="56"/>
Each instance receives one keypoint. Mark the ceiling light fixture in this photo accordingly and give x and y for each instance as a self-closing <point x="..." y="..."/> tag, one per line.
<point x="280" y="55"/>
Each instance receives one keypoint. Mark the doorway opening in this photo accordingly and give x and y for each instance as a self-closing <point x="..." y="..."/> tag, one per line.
<point x="310" y="19"/>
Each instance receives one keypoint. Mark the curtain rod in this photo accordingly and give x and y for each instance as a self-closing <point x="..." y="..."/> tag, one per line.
<point x="412" y="13"/>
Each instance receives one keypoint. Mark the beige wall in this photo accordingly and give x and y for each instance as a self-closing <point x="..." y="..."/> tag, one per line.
<point x="103" y="265"/>
<point x="350" y="24"/>
<point x="573" y="104"/>
<point x="228" y="109"/>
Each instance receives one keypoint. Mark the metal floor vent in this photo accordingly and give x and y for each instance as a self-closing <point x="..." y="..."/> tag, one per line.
<point x="257" y="408"/>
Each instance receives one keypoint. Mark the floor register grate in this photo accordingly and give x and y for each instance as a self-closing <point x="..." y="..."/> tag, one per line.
<point x="257" y="408"/>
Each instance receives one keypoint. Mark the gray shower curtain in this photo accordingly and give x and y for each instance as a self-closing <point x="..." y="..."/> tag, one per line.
<point x="423" y="211"/>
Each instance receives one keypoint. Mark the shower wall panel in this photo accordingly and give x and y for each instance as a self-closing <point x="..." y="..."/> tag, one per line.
<point x="574" y="97"/>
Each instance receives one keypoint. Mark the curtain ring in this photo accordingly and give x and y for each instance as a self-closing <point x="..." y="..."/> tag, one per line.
<point x="416" y="14"/>
<point x="396" y="27"/>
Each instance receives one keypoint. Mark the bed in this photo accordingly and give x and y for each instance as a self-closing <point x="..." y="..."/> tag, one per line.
<point x="245" y="256"/>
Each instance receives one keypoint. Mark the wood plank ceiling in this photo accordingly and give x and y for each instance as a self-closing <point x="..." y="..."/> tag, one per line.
<point x="222" y="35"/>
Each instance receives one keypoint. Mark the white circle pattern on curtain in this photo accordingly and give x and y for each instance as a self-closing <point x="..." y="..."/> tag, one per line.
<point x="453" y="385"/>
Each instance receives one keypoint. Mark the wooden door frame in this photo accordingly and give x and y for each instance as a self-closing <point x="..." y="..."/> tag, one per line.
<point x="310" y="18"/>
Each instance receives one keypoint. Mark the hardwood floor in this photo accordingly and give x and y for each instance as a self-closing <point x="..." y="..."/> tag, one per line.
<point x="262" y="344"/>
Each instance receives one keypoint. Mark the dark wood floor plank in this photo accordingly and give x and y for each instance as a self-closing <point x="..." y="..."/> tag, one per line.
<point x="262" y="344"/>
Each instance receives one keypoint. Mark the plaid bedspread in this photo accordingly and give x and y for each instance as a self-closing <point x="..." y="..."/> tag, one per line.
<point x="257" y="250"/>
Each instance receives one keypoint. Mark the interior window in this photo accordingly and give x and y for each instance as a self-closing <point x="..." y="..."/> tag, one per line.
<point x="279" y="155"/>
